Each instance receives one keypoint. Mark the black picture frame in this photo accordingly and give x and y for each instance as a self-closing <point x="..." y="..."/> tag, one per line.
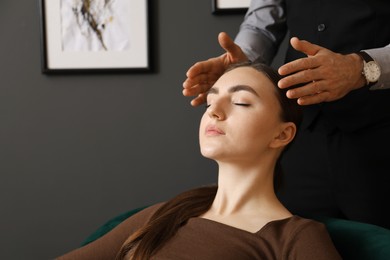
<point x="127" y="48"/>
<point x="229" y="6"/>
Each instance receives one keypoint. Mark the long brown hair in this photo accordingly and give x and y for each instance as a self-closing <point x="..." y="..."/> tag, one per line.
<point x="173" y="214"/>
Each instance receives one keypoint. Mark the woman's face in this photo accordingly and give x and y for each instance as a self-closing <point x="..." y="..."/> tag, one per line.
<point x="242" y="117"/>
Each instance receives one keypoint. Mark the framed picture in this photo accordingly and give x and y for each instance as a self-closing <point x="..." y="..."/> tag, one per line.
<point x="229" y="6"/>
<point x="95" y="35"/>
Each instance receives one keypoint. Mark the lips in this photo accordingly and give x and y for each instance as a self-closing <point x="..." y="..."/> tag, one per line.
<point x="213" y="130"/>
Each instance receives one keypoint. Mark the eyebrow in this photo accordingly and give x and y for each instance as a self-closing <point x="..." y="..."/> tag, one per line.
<point x="234" y="89"/>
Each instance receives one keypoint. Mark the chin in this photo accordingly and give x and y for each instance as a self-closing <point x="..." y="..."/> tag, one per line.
<point x="210" y="153"/>
<point x="206" y="151"/>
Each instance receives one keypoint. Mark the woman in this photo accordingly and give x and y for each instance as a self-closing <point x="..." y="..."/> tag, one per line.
<point x="247" y="125"/>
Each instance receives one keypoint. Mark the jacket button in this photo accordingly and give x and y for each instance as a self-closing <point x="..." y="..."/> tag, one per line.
<point x="321" y="27"/>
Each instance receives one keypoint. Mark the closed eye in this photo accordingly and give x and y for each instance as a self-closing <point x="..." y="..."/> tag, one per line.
<point x="242" y="104"/>
<point x="237" y="104"/>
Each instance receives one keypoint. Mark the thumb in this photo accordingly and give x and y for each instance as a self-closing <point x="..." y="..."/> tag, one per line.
<point x="305" y="47"/>
<point x="230" y="47"/>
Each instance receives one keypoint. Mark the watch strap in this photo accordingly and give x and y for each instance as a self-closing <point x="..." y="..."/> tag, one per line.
<point x="367" y="58"/>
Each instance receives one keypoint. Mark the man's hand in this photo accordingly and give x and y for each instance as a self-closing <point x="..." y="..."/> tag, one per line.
<point x="202" y="75"/>
<point x="323" y="76"/>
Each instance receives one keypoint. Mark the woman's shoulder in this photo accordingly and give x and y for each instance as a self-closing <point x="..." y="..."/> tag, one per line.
<point x="303" y="237"/>
<point x="295" y="229"/>
<point x="138" y="219"/>
<point x="296" y="225"/>
<point x="145" y="214"/>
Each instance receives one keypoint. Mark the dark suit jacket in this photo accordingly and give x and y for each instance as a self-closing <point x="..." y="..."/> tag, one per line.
<point x="344" y="26"/>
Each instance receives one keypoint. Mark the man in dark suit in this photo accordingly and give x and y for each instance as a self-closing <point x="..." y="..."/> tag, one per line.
<point x="338" y="69"/>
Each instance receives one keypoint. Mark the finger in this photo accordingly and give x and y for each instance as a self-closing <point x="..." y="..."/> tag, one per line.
<point x="309" y="89"/>
<point x="199" y="100"/>
<point x="197" y="89"/>
<point x="313" y="99"/>
<point x="198" y="79"/>
<point x="190" y="83"/>
<point x="297" y="65"/>
<point x="190" y="92"/>
<point x="304" y="63"/>
<point x="308" y="48"/>
<point x="300" y="77"/>
<point x="206" y="66"/>
<point x="198" y="68"/>
<point x="229" y="46"/>
<point x="204" y="80"/>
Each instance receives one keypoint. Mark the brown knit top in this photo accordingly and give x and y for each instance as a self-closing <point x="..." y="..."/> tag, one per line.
<point x="203" y="239"/>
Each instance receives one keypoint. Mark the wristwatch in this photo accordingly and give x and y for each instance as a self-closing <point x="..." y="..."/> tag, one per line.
<point x="371" y="70"/>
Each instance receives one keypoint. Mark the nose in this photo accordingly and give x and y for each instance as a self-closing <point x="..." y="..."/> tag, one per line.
<point x="216" y="111"/>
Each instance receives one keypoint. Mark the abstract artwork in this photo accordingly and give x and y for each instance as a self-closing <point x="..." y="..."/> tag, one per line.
<point x="95" y="35"/>
<point x="94" y="25"/>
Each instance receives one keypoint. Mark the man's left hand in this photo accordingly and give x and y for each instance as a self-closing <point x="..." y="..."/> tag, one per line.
<point x="323" y="75"/>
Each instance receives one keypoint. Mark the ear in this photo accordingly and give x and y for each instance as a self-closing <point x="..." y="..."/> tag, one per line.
<point x="285" y="135"/>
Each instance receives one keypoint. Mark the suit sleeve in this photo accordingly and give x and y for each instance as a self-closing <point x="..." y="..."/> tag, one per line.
<point x="263" y="29"/>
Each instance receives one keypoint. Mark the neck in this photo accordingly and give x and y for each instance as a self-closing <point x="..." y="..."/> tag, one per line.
<point x="244" y="189"/>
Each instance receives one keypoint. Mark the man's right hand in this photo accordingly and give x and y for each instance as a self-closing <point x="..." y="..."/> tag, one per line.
<point x="203" y="74"/>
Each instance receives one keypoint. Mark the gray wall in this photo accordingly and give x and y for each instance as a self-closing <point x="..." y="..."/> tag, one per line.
<point x="76" y="150"/>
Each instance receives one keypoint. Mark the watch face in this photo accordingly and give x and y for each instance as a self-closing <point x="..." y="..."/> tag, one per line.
<point x="372" y="71"/>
